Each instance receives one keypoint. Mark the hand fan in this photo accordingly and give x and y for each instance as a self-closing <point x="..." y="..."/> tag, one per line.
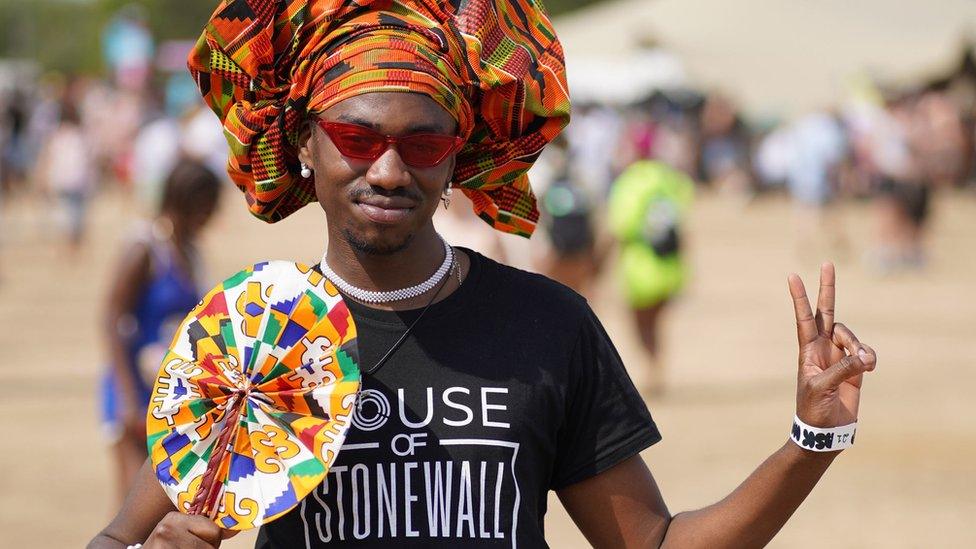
<point x="254" y="396"/>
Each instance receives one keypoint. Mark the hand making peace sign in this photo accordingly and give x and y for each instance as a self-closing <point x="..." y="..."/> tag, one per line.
<point x="832" y="360"/>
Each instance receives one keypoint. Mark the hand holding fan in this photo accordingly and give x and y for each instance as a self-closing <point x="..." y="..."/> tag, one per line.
<point x="255" y="395"/>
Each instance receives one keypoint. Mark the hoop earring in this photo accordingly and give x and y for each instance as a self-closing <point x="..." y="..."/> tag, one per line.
<point x="306" y="171"/>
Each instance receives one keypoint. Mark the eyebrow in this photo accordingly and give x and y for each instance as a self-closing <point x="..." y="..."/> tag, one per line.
<point x="416" y="128"/>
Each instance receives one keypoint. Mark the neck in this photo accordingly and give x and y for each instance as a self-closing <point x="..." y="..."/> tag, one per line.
<point x="180" y="237"/>
<point x="382" y="272"/>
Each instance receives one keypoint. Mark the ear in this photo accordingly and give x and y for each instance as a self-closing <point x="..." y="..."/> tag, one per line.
<point x="306" y="143"/>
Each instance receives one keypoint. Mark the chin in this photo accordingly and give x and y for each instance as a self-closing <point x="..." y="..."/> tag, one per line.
<point x="372" y="244"/>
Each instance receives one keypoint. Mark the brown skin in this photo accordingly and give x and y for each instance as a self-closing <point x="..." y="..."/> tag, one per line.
<point x="128" y="284"/>
<point x="647" y="327"/>
<point x="401" y="254"/>
<point x="147" y="514"/>
<point x="621" y="507"/>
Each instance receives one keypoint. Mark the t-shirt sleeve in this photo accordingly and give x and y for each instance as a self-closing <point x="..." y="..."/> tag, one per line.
<point x="606" y="418"/>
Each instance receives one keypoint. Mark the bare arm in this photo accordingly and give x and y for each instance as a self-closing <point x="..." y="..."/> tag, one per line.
<point x="752" y="514"/>
<point x="149" y="517"/>
<point x="144" y="507"/>
<point x="622" y="507"/>
<point x="128" y="283"/>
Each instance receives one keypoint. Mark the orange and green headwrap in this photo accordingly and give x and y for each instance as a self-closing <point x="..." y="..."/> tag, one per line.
<point x="264" y="66"/>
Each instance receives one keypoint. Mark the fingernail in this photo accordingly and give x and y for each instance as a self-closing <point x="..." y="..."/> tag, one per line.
<point x="862" y="353"/>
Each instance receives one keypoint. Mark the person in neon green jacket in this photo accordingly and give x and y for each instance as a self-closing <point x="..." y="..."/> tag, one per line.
<point x="647" y="205"/>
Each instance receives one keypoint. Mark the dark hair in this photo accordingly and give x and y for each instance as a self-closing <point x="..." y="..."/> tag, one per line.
<point x="69" y="113"/>
<point x="189" y="183"/>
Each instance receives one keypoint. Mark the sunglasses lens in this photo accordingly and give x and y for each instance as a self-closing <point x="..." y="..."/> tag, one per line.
<point x="357" y="142"/>
<point x="425" y="150"/>
<point x="419" y="150"/>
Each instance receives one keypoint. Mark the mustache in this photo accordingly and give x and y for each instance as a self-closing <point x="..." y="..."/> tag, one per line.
<point x="362" y="193"/>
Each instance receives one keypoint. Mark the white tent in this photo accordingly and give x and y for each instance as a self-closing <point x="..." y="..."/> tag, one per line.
<point x="774" y="56"/>
<point x="623" y="79"/>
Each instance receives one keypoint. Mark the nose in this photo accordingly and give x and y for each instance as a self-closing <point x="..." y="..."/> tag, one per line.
<point x="388" y="171"/>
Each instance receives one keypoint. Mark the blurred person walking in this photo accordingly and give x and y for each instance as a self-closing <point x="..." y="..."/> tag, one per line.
<point x="903" y="194"/>
<point x="568" y="220"/>
<point x="156" y="282"/>
<point x="817" y="148"/>
<point x="647" y="205"/>
<point x="725" y="148"/>
<point x="113" y="117"/>
<point x="938" y="135"/>
<point x="178" y="129"/>
<point x="155" y="151"/>
<point x="674" y="143"/>
<point x="14" y="154"/>
<point x="591" y="142"/>
<point x="66" y="170"/>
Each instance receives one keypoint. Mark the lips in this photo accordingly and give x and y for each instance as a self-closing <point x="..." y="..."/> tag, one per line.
<point x="386" y="210"/>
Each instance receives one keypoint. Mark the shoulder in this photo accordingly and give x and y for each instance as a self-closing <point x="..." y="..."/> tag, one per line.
<point x="137" y="239"/>
<point x="134" y="263"/>
<point x="531" y="296"/>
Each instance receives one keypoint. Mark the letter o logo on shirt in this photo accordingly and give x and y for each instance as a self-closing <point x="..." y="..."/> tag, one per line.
<point x="371" y="411"/>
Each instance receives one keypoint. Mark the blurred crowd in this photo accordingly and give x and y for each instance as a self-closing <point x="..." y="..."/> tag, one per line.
<point x="893" y="146"/>
<point x="64" y="139"/>
<point x="616" y="186"/>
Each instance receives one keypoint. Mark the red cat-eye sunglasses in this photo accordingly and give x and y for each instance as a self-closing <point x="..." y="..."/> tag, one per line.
<point x="420" y="150"/>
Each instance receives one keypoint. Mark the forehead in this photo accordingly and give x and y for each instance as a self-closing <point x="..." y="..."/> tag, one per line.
<point x="393" y="113"/>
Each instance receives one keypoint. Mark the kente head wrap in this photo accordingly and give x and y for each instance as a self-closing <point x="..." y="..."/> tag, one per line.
<point x="265" y="66"/>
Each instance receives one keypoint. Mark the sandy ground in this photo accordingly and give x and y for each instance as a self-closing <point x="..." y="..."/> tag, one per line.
<point x="910" y="482"/>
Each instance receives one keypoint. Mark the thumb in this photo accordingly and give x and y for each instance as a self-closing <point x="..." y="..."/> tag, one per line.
<point x="227" y="534"/>
<point x="848" y="367"/>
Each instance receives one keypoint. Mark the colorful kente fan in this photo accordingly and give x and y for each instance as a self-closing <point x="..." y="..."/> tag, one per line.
<point x="255" y="395"/>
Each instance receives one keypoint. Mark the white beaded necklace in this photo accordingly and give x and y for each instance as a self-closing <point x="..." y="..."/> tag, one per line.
<point x="370" y="296"/>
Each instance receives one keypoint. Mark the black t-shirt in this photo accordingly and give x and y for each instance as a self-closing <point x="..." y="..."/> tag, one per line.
<point x="506" y="389"/>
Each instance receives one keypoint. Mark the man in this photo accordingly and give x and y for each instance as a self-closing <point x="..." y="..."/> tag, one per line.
<point x="484" y="386"/>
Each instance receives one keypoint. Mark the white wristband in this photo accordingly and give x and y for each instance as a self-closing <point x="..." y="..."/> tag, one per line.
<point x="817" y="439"/>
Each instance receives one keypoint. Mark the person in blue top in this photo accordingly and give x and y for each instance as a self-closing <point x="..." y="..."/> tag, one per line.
<point x="153" y="287"/>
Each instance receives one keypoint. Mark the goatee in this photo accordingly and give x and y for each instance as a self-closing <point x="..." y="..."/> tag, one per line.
<point x="369" y="248"/>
